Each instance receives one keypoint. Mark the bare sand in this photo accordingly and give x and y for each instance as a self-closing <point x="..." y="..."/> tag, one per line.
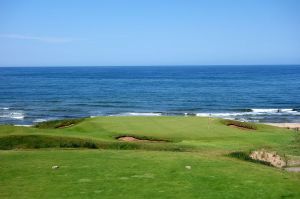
<point x="286" y="125"/>
<point x="134" y="139"/>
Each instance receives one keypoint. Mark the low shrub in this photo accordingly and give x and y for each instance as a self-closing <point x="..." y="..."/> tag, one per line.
<point x="54" y="124"/>
<point x="46" y="141"/>
<point x="43" y="141"/>
<point x="245" y="125"/>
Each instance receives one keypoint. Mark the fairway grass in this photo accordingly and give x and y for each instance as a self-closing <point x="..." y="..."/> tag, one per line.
<point x="193" y="164"/>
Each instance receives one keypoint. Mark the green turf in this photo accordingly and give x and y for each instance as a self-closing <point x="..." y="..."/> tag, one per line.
<point x="147" y="170"/>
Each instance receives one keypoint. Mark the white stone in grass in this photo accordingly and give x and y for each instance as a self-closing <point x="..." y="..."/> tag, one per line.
<point x="188" y="167"/>
<point x="55" y="167"/>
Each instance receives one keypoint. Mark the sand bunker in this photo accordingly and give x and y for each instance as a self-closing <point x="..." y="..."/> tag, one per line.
<point x="135" y="139"/>
<point x="270" y="157"/>
<point x="65" y="126"/>
<point x="239" y="124"/>
<point x="239" y="127"/>
<point x="129" y="139"/>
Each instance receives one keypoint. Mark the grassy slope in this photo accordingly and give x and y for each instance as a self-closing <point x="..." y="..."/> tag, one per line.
<point x="202" y="133"/>
<point x="155" y="174"/>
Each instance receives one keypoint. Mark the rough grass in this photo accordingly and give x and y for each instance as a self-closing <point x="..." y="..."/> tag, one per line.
<point x="58" y="123"/>
<point x="43" y="141"/>
<point x="294" y="145"/>
<point x="46" y="141"/>
<point x="245" y="125"/>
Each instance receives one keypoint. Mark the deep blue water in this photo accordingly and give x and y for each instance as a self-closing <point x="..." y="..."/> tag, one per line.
<point x="255" y="93"/>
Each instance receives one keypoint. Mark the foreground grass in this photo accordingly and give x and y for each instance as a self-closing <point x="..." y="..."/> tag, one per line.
<point x="138" y="174"/>
<point x="147" y="170"/>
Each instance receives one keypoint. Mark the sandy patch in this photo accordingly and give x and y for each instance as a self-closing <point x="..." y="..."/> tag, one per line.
<point x="292" y="162"/>
<point x="129" y="139"/>
<point x="239" y="127"/>
<point x="66" y="126"/>
<point x="271" y="157"/>
<point x="295" y="126"/>
<point x="134" y="139"/>
<point x="293" y="169"/>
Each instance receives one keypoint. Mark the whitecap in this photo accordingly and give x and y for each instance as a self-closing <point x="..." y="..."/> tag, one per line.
<point x="203" y="114"/>
<point x="272" y="111"/>
<point x="253" y="116"/>
<point x="219" y="114"/>
<point x="144" y="114"/>
<point x="17" y="115"/>
<point x="39" y="120"/>
<point x="262" y="110"/>
<point x="138" y="114"/>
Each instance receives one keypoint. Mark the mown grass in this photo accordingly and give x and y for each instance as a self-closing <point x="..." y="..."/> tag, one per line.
<point x="199" y="133"/>
<point x="138" y="174"/>
<point x="144" y="169"/>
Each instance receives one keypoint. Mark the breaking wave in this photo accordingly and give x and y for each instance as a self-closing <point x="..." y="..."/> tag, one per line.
<point x="15" y="115"/>
<point x="138" y="114"/>
<point x="253" y="113"/>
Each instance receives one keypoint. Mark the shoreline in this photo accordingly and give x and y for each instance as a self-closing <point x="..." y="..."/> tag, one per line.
<point x="286" y="125"/>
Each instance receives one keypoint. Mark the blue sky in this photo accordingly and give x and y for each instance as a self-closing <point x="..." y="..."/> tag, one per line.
<point x="156" y="32"/>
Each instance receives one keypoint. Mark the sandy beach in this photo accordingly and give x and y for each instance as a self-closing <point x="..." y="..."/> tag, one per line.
<point x="286" y="125"/>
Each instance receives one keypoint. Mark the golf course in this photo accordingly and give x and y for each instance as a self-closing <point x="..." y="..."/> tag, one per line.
<point x="147" y="157"/>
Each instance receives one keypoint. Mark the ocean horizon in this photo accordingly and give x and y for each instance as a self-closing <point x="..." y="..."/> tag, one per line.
<point x="256" y="93"/>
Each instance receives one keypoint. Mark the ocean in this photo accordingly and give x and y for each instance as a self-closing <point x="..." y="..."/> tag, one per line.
<point x="248" y="93"/>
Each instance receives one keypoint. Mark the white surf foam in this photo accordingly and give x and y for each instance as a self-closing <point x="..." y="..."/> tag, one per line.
<point x="275" y="111"/>
<point x="17" y="115"/>
<point x="44" y="119"/>
<point x="137" y="114"/>
<point x="261" y="110"/>
<point x="144" y="114"/>
<point x="254" y="112"/>
<point x="39" y="120"/>
<point x="218" y="114"/>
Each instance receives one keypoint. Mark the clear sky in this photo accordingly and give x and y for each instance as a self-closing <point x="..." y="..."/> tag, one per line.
<point x="154" y="32"/>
